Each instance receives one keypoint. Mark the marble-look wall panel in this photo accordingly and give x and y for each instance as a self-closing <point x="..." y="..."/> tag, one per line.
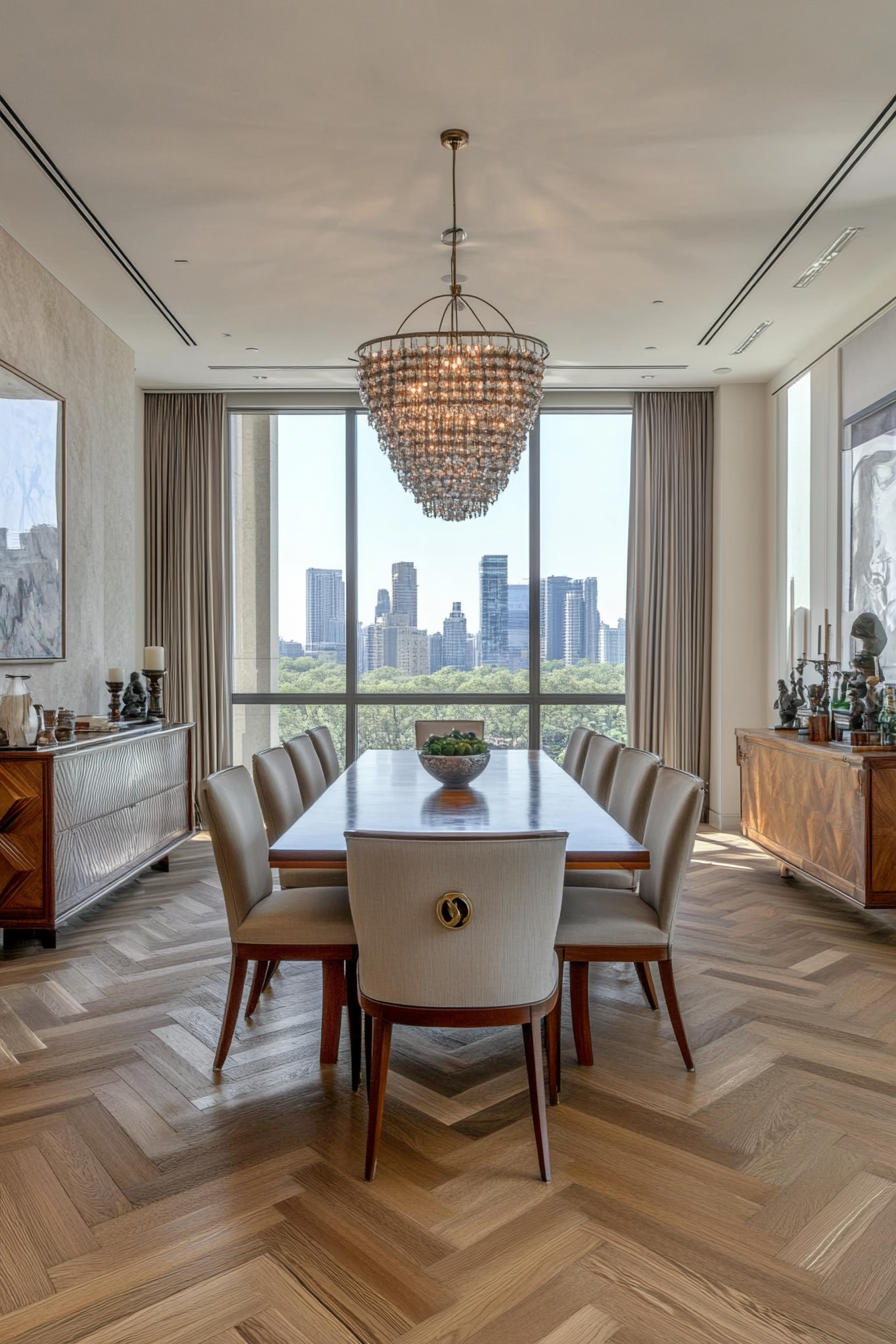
<point x="48" y="334"/>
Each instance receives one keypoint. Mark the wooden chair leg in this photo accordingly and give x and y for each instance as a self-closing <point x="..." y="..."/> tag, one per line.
<point x="552" y="1040"/>
<point x="259" y="980"/>
<point x="668" y="982"/>
<point x="368" y="1046"/>
<point x="535" y="1070"/>
<point x="642" y="969"/>
<point x="353" y="1006"/>
<point x="382" y="1040"/>
<point x="581" y="1016"/>
<point x="331" y="1010"/>
<point x="273" y="967"/>
<point x="232" y="1007"/>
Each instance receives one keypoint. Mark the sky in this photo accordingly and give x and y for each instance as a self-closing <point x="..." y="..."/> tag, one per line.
<point x="584" y="518"/>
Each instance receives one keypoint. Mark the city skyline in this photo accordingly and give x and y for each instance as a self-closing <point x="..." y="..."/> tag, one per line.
<point x="570" y="625"/>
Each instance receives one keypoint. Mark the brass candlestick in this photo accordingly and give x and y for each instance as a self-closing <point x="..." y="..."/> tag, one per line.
<point x="154" y="678"/>
<point x="115" y="689"/>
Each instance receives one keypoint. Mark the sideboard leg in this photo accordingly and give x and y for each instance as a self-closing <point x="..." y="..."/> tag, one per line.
<point x="785" y="871"/>
<point x="162" y="865"/>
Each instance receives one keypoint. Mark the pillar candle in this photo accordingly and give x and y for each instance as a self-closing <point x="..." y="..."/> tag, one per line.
<point x="805" y="631"/>
<point x="115" y="674"/>
<point x="153" y="658"/>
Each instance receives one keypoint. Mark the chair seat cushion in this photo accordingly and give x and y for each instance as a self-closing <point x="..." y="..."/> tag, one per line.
<point x="613" y="878"/>
<point x="309" y="915"/>
<point x="591" y="917"/>
<point x="311" y="877"/>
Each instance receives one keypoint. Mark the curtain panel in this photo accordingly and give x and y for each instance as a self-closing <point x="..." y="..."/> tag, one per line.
<point x="670" y="577"/>
<point x="188" y="564"/>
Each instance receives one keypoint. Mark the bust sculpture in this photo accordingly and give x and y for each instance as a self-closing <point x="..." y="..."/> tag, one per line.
<point x="786" y="704"/>
<point x="133" y="699"/>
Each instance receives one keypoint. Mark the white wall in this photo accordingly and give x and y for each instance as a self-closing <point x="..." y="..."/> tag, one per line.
<point x="743" y="543"/>
<point x="46" y="333"/>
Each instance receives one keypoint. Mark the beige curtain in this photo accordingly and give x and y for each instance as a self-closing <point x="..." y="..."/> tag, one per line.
<point x="669" y="577"/>
<point x="188" y="564"/>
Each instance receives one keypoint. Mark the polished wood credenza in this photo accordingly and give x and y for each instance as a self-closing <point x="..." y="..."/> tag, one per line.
<point x="78" y="819"/>
<point x="823" y="810"/>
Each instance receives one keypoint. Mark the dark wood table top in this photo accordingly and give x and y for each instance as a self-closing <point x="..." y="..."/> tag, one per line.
<point x="519" y="791"/>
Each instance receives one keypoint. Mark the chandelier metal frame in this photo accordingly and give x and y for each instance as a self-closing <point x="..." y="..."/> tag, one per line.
<point x="453" y="408"/>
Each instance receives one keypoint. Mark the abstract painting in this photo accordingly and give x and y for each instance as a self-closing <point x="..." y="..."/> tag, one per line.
<point x="32" y="625"/>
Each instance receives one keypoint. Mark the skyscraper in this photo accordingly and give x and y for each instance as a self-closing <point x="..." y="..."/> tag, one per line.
<point x="493" y="610"/>
<point x="404" y="590"/>
<point x="612" y="642"/>
<point x="383" y="605"/>
<point x="325" y="613"/>
<point x="574" y="624"/>
<point x="552" y="617"/>
<point x="591" y="641"/>
<point x="412" y="651"/>
<point x="517" y="626"/>
<point x="454" y="639"/>
<point x="435" y="652"/>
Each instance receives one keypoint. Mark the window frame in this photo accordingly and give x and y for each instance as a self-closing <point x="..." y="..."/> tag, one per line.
<point x="351" y="698"/>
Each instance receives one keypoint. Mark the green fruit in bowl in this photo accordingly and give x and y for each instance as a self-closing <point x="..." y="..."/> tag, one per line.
<point x="454" y="743"/>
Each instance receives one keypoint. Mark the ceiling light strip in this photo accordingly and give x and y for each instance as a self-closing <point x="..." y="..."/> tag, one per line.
<point x="806" y="215"/>
<point x="826" y="257"/>
<point x="59" y="180"/>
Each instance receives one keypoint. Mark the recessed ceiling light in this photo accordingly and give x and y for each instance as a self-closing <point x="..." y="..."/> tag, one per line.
<point x="225" y="333"/>
<point x="722" y="370"/>
<point x="657" y="301"/>
<point x="461" y="279"/>
<point x="753" y="336"/>
<point x="826" y="257"/>
<point x="650" y="347"/>
<point x="261" y="376"/>
<point x="647" y="375"/>
<point x="181" y="261"/>
<point x="252" y="347"/>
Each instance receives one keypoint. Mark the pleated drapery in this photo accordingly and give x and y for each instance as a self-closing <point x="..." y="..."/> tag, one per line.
<point x="669" y="577"/>
<point x="188" y="564"/>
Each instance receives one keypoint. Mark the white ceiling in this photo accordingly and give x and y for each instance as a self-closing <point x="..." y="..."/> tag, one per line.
<point x="621" y="152"/>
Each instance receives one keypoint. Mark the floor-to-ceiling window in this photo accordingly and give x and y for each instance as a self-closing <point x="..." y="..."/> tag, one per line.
<point x="351" y="608"/>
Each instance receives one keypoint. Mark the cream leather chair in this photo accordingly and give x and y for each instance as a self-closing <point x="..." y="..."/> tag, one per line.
<point x="606" y="925"/>
<point x="634" y="779"/>
<point x="309" y="771"/>
<point x="281" y="804"/>
<point x="601" y="756"/>
<point x="312" y="924"/>
<point x="326" y="751"/>
<point x="576" y="747"/>
<point x="457" y="932"/>
<point x="424" y="728"/>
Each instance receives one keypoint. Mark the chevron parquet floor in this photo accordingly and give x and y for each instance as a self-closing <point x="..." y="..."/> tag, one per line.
<point x="144" y="1202"/>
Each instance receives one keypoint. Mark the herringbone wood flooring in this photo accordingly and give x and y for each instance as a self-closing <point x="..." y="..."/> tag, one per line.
<point x="143" y="1200"/>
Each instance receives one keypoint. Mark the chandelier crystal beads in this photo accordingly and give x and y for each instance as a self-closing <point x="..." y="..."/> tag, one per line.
<point x="452" y="409"/>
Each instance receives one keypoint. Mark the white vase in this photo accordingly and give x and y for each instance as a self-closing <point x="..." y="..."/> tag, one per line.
<point x="18" y="717"/>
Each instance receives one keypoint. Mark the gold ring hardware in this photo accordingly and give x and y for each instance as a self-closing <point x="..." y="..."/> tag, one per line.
<point x="454" y="910"/>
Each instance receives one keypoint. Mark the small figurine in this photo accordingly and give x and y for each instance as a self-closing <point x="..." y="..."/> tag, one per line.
<point x="816" y="698"/>
<point x="856" y="709"/>
<point x="872" y="706"/>
<point x="134" y="699"/>
<point x="786" y="704"/>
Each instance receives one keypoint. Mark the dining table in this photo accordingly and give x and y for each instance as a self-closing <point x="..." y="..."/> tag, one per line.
<point x="390" y="791"/>
<point x="519" y="791"/>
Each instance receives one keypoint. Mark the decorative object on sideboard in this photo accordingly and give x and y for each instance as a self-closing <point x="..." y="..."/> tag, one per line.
<point x="115" y="685"/>
<point x="65" y="724"/>
<point x="869" y="629"/>
<point x="46" y="737"/>
<point x="154" y="677"/>
<point x="787" y="704"/>
<point x="134" y="700"/>
<point x="18" y="717"/>
<point x="886" y="721"/>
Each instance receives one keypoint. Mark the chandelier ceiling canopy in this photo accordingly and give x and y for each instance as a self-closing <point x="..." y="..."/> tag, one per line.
<point x="452" y="408"/>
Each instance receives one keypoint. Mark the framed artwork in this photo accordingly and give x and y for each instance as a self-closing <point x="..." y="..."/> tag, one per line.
<point x="869" y="525"/>
<point x="32" y="517"/>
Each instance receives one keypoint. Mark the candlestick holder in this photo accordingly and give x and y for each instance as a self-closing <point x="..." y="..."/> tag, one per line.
<point x="115" y="689"/>
<point x="154" y="677"/>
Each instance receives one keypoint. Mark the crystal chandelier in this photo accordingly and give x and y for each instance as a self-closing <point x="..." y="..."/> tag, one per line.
<point x="452" y="408"/>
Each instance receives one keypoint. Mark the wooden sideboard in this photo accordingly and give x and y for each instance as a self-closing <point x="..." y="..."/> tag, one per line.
<point x="823" y="810"/>
<point x="78" y="819"/>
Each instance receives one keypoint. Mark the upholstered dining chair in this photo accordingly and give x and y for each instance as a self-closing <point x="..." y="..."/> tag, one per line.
<point x="601" y="755"/>
<point x="634" y="779"/>
<point x="456" y="932"/>
<point x="576" y="747"/>
<point x="311" y="924"/>
<point x="309" y="771"/>
<point x="606" y="925"/>
<point x="326" y="751"/>
<point x="424" y="728"/>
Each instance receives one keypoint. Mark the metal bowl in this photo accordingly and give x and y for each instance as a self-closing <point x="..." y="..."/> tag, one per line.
<point x="454" y="772"/>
